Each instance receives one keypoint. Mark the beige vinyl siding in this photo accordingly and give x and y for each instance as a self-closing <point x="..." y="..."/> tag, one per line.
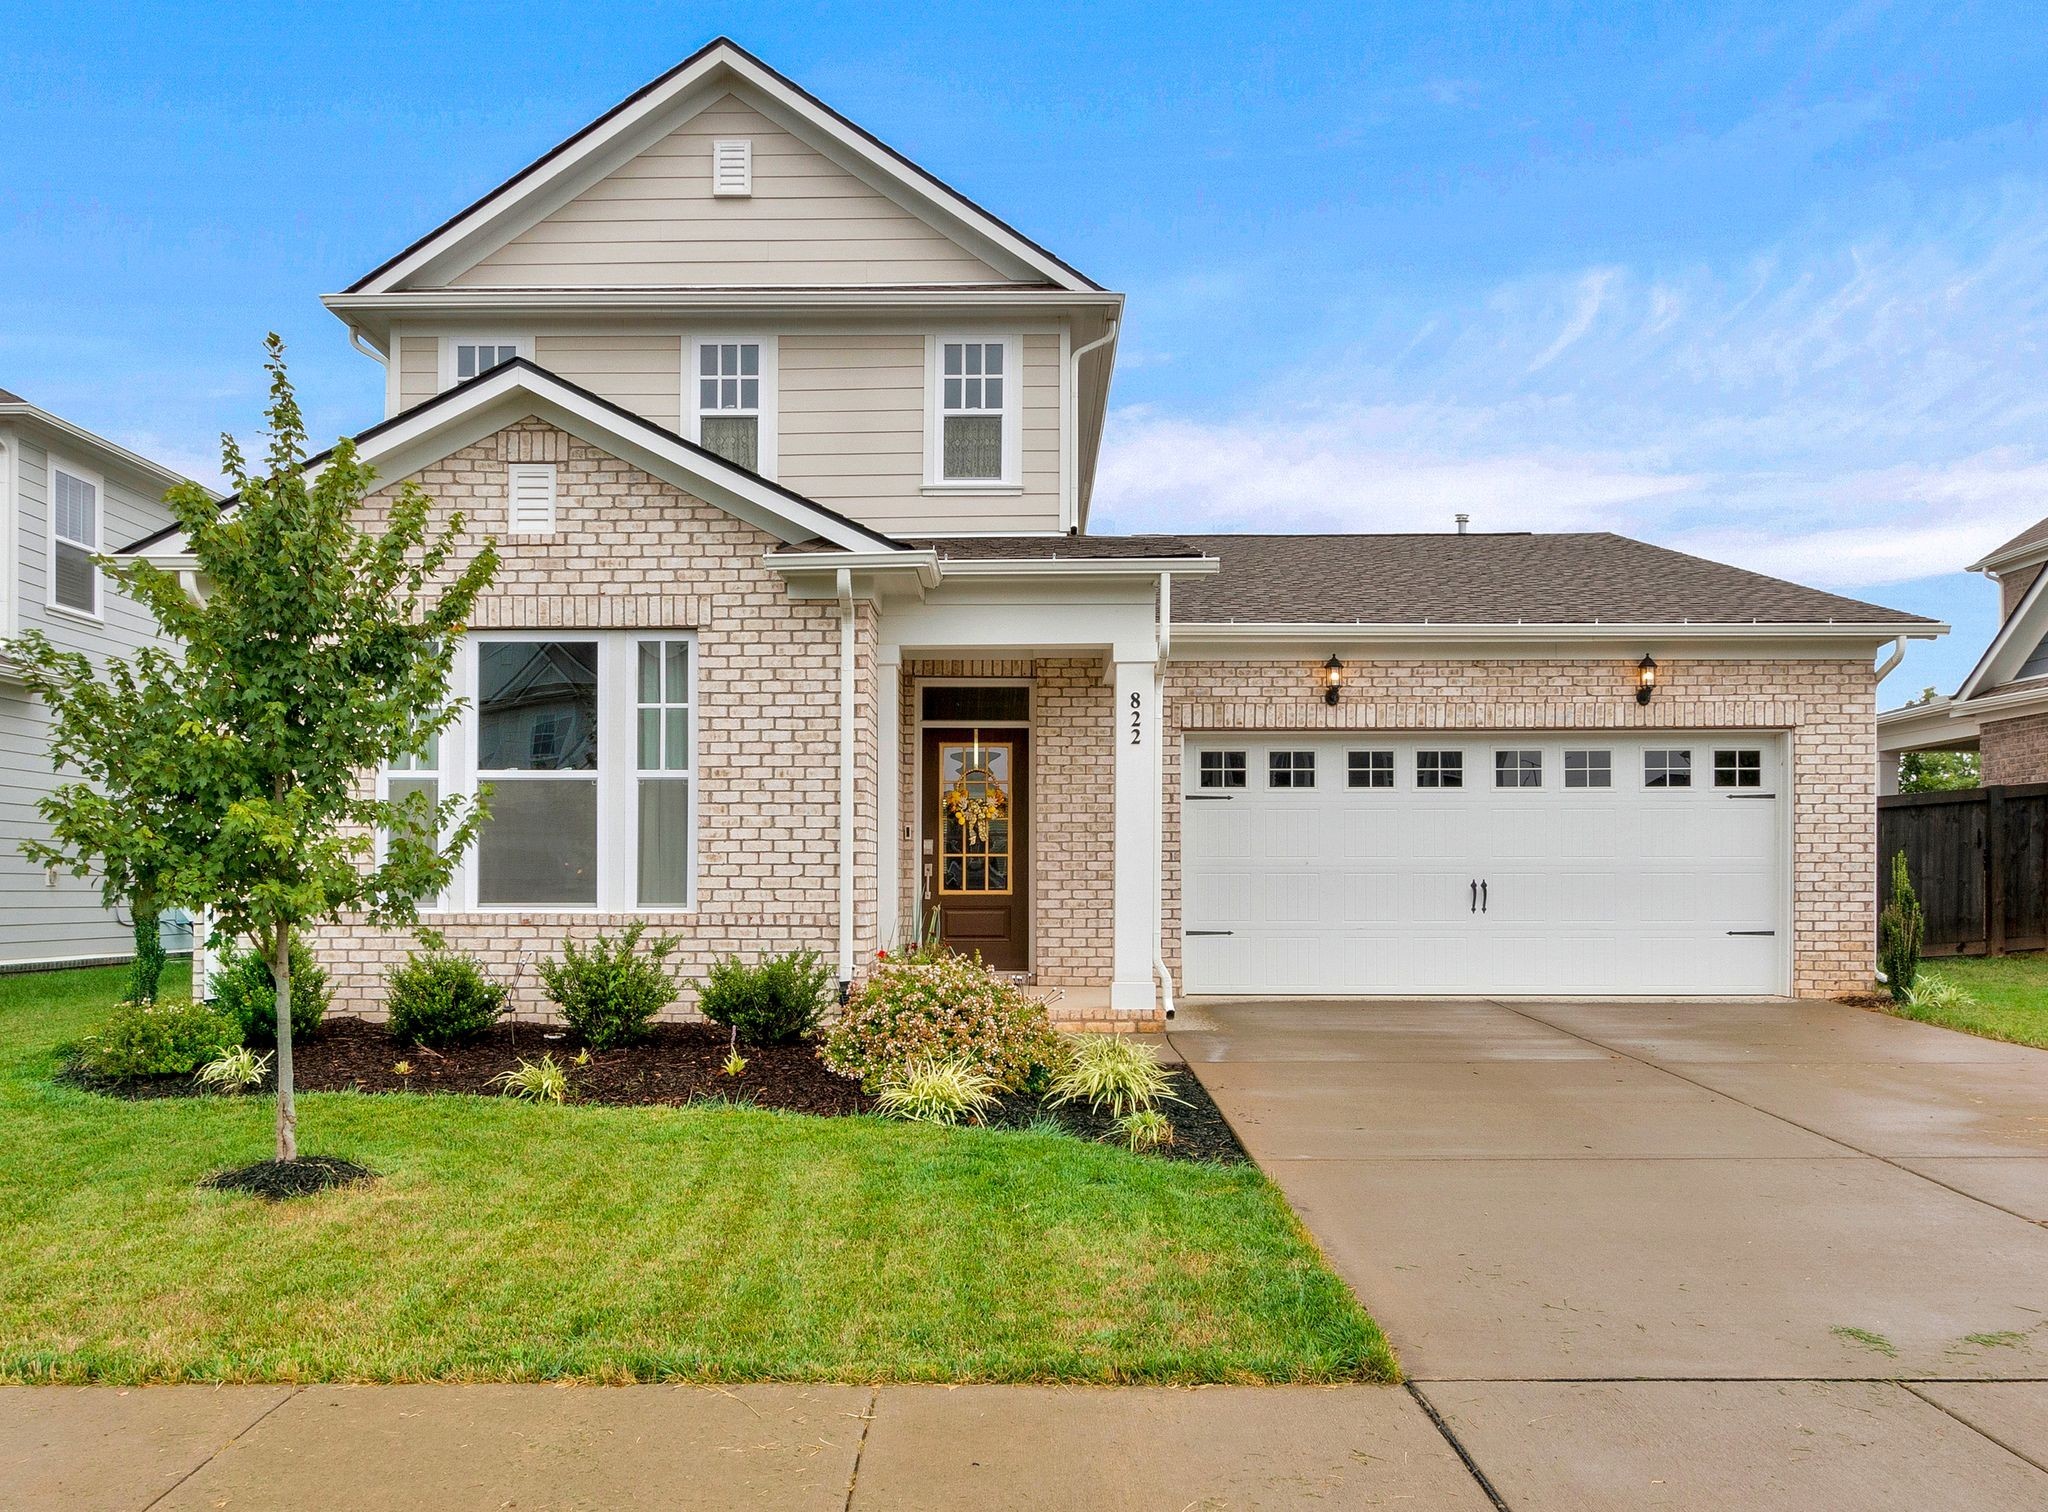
<point x="39" y="921"/>
<point x="638" y="371"/>
<point x="419" y="368"/>
<point x="654" y="221"/>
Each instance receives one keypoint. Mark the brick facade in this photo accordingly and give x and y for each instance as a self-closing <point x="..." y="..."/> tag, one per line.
<point x="2014" y="750"/>
<point x="1827" y="707"/>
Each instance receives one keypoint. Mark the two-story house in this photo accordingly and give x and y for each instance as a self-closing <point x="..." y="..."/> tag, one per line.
<point x="802" y="637"/>
<point x="66" y="495"/>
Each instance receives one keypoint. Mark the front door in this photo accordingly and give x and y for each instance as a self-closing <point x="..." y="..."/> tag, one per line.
<point x="975" y="866"/>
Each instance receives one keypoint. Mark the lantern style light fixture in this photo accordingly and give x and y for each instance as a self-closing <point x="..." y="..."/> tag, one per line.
<point x="1333" y="678"/>
<point x="1646" y="678"/>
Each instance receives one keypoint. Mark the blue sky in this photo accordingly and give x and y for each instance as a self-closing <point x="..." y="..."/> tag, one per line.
<point x="1765" y="282"/>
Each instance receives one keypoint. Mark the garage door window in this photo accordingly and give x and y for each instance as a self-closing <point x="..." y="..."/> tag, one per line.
<point x="1738" y="769"/>
<point x="1667" y="769"/>
<point x="1291" y="769"/>
<point x="1222" y="769"/>
<point x="1517" y="769"/>
<point x="1588" y="769"/>
<point x="1372" y="769"/>
<point x="1440" y="769"/>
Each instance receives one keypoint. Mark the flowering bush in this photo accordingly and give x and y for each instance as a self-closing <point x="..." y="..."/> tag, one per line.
<point x="942" y="1008"/>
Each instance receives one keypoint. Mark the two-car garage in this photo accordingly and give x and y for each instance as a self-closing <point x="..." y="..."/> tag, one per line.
<point x="1503" y="863"/>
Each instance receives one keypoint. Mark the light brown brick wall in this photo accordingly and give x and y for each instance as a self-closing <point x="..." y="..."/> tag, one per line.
<point x="2012" y="587"/>
<point x="1826" y="706"/>
<point x="2015" y="750"/>
<point x="631" y="551"/>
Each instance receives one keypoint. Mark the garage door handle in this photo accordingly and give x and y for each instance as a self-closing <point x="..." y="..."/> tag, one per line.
<point x="1752" y="931"/>
<point x="1751" y="795"/>
<point x="1193" y="932"/>
<point x="1475" y="895"/>
<point x="1482" y="897"/>
<point x="1208" y="797"/>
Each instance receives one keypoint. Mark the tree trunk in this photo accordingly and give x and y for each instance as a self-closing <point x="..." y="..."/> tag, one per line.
<point x="149" y="950"/>
<point x="287" y="1111"/>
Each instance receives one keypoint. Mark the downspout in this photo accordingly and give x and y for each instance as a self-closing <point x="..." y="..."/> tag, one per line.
<point x="355" y="339"/>
<point x="844" y="585"/>
<point x="1073" y="519"/>
<point x="1898" y="655"/>
<point x="1159" y="786"/>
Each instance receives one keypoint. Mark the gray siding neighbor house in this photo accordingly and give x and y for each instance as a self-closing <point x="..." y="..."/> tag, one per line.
<point x="65" y="494"/>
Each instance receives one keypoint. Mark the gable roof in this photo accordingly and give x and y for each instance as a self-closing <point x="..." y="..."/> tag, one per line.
<point x="78" y="439"/>
<point x="1590" y="578"/>
<point x="510" y="392"/>
<point x="2013" y="645"/>
<point x="656" y="108"/>
<point x="2031" y="541"/>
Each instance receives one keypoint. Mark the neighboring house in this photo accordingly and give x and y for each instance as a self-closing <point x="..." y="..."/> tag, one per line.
<point x="65" y="495"/>
<point x="2001" y="710"/>
<point x="801" y="636"/>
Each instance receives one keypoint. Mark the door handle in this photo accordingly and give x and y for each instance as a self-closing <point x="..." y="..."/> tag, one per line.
<point x="1475" y="895"/>
<point x="1482" y="897"/>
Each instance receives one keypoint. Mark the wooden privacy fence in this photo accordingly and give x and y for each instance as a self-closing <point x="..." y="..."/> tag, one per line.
<point x="1979" y="861"/>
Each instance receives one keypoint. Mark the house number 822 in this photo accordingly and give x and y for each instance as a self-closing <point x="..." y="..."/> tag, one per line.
<point x="1137" y="718"/>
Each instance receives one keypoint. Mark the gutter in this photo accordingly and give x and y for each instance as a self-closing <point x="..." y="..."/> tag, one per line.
<point x="1321" y="633"/>
<point x="844" y="586"/>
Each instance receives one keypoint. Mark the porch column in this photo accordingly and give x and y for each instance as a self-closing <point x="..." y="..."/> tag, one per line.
<point x="888" y="795"/>
<point x="1136" y="733"/>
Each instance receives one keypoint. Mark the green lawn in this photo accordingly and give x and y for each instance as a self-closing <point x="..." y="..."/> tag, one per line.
<point x="509" y="1242"/>
<point x="2010" y="992"/>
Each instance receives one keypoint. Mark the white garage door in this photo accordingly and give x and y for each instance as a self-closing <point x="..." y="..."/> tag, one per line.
<point x="1516" y="865"/>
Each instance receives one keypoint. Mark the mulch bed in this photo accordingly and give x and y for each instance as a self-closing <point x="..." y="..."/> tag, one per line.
<point x="1881" y="1000"/>
<point x="676" y="1064"/>
<point x="278" y="1180"/>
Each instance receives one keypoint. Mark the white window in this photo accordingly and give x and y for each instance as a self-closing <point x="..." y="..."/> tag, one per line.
<point x="467" y="357"/>
<point x="1291" y="769"/>
<point x="730" y="400"/>
<point x="1667" y="769"/>
<point x="1371" y="769"/>
<point x="1588" y="769"/>
<point x="1517" y="769"/>
<point x="973" y="427"/>
<point x="530" y="498"/>
<point x="1439" y="769"/>
<point x="586" y="739"/>
<point x="1222" y="769"/>
<point x="732" y="168"/>
<point x="420" y="774"/>
<point x="1741" y="768"/>
<point x="74" y="540"/>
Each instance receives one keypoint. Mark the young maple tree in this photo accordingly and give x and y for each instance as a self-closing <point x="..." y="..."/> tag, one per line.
<point x="316" y="652"/>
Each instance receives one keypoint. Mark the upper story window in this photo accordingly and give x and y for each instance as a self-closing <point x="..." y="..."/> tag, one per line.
<point x="732" y="401"/>
<point x="467" y="357"/>
<point x="973" y="425"/>
<point x="74" y="540"/>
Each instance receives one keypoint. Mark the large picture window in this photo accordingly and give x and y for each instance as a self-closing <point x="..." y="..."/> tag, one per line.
<point x="537" y="744"/>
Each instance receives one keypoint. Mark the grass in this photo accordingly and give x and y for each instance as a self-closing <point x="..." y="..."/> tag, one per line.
<point x="2009" y="997"/>
<point x="514" y="1242"/>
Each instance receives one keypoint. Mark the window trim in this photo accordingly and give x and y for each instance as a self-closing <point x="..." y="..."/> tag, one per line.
<point x="617" y="776"/>
<point x="53" y="465"/>
<point x="1224" y="771"/>
<point x="1294" y="769"/>
<point x="1012" y="479"/>
<point x="1437" y="784"/>
<point x="1735" y="770"/>
<point x="1521" y="768"/>
<point x="1586" y="770"/>
<point x="1667" y="785"/>
<point x="769" y="412"/>
<point x="522" y="346"/>
<point x="1352" y="770"/>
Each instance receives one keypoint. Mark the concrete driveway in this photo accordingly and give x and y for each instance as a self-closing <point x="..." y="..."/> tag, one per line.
<point x="1755" y="1254"/>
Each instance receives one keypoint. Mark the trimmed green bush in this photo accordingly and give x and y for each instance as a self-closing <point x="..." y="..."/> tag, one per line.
<point x="948" y="1008"/>
<point x="164" y="1038"/>
<point x="611" y="992"/>
<point x="1902" y="929"/>
<point x="243" y="990"/>
<point x="773" y="1002"/>
<point x="442" y="997"/>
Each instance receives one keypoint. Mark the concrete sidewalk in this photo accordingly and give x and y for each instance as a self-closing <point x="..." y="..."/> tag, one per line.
<point x="890" y="1449"/>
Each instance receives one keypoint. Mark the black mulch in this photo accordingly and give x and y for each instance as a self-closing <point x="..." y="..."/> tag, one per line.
<point x="674" y="1065"/>
<point x="277" y="1180"/>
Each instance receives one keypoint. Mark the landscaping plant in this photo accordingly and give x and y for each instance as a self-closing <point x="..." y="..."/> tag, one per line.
<point x="611" y="992"/>
<point x="320" y="650"/>
<point x="947" y="1008"/>
<point x="772" y="1002"/>
<point x="1902" y="929"/>
<point x="244" y="990"/>
<point x="940" y="1092"/>
<point x="1937" y="992"/>
<point x="438" y="997"/>
<point x="535" y="1081"/>
<point x="171" y="1038"/>
<point x="236" y="1071"/>
<point x="1145" y="1129"/>
<point x="1112" y="1072"/>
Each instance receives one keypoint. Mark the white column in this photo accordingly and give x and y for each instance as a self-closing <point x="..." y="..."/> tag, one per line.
<point x="889" y="794"/>
<point x="1136" y="734"/>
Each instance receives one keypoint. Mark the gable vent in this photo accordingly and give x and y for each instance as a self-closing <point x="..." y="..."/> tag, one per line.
<point x="732" y="167"/>
<point x="532" y="486"/>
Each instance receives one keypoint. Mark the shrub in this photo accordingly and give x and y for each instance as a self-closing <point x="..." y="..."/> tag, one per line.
<point x="237" y="1070"/>
<point x="610" y="992"/>
<point x="940" y="1092"/>
<point x="243" y="990"/>
<point x="1902" y="928"/>
<point x="535" y="1081"/>
<point x="1938" y="992"/>
<point x="1145" y="1130"/>
<point x="772" y="1002"/>
<point x="1113" y="1072"/>
<point x="164" y="1038"/>
<point x="442" y="997"/>
<point x="948" y="1008"/>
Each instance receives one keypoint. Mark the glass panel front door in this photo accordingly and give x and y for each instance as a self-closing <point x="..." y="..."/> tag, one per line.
<point x="974" y="819"/>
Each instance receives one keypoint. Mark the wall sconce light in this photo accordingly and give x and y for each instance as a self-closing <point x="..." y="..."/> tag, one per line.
<point x="1333" y="678"/>
<point x="1646" y="678"/>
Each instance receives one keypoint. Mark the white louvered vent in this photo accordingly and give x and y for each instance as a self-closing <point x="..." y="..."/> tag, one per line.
<point x="732" y="167"/>
<point x="532" y="487"/>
